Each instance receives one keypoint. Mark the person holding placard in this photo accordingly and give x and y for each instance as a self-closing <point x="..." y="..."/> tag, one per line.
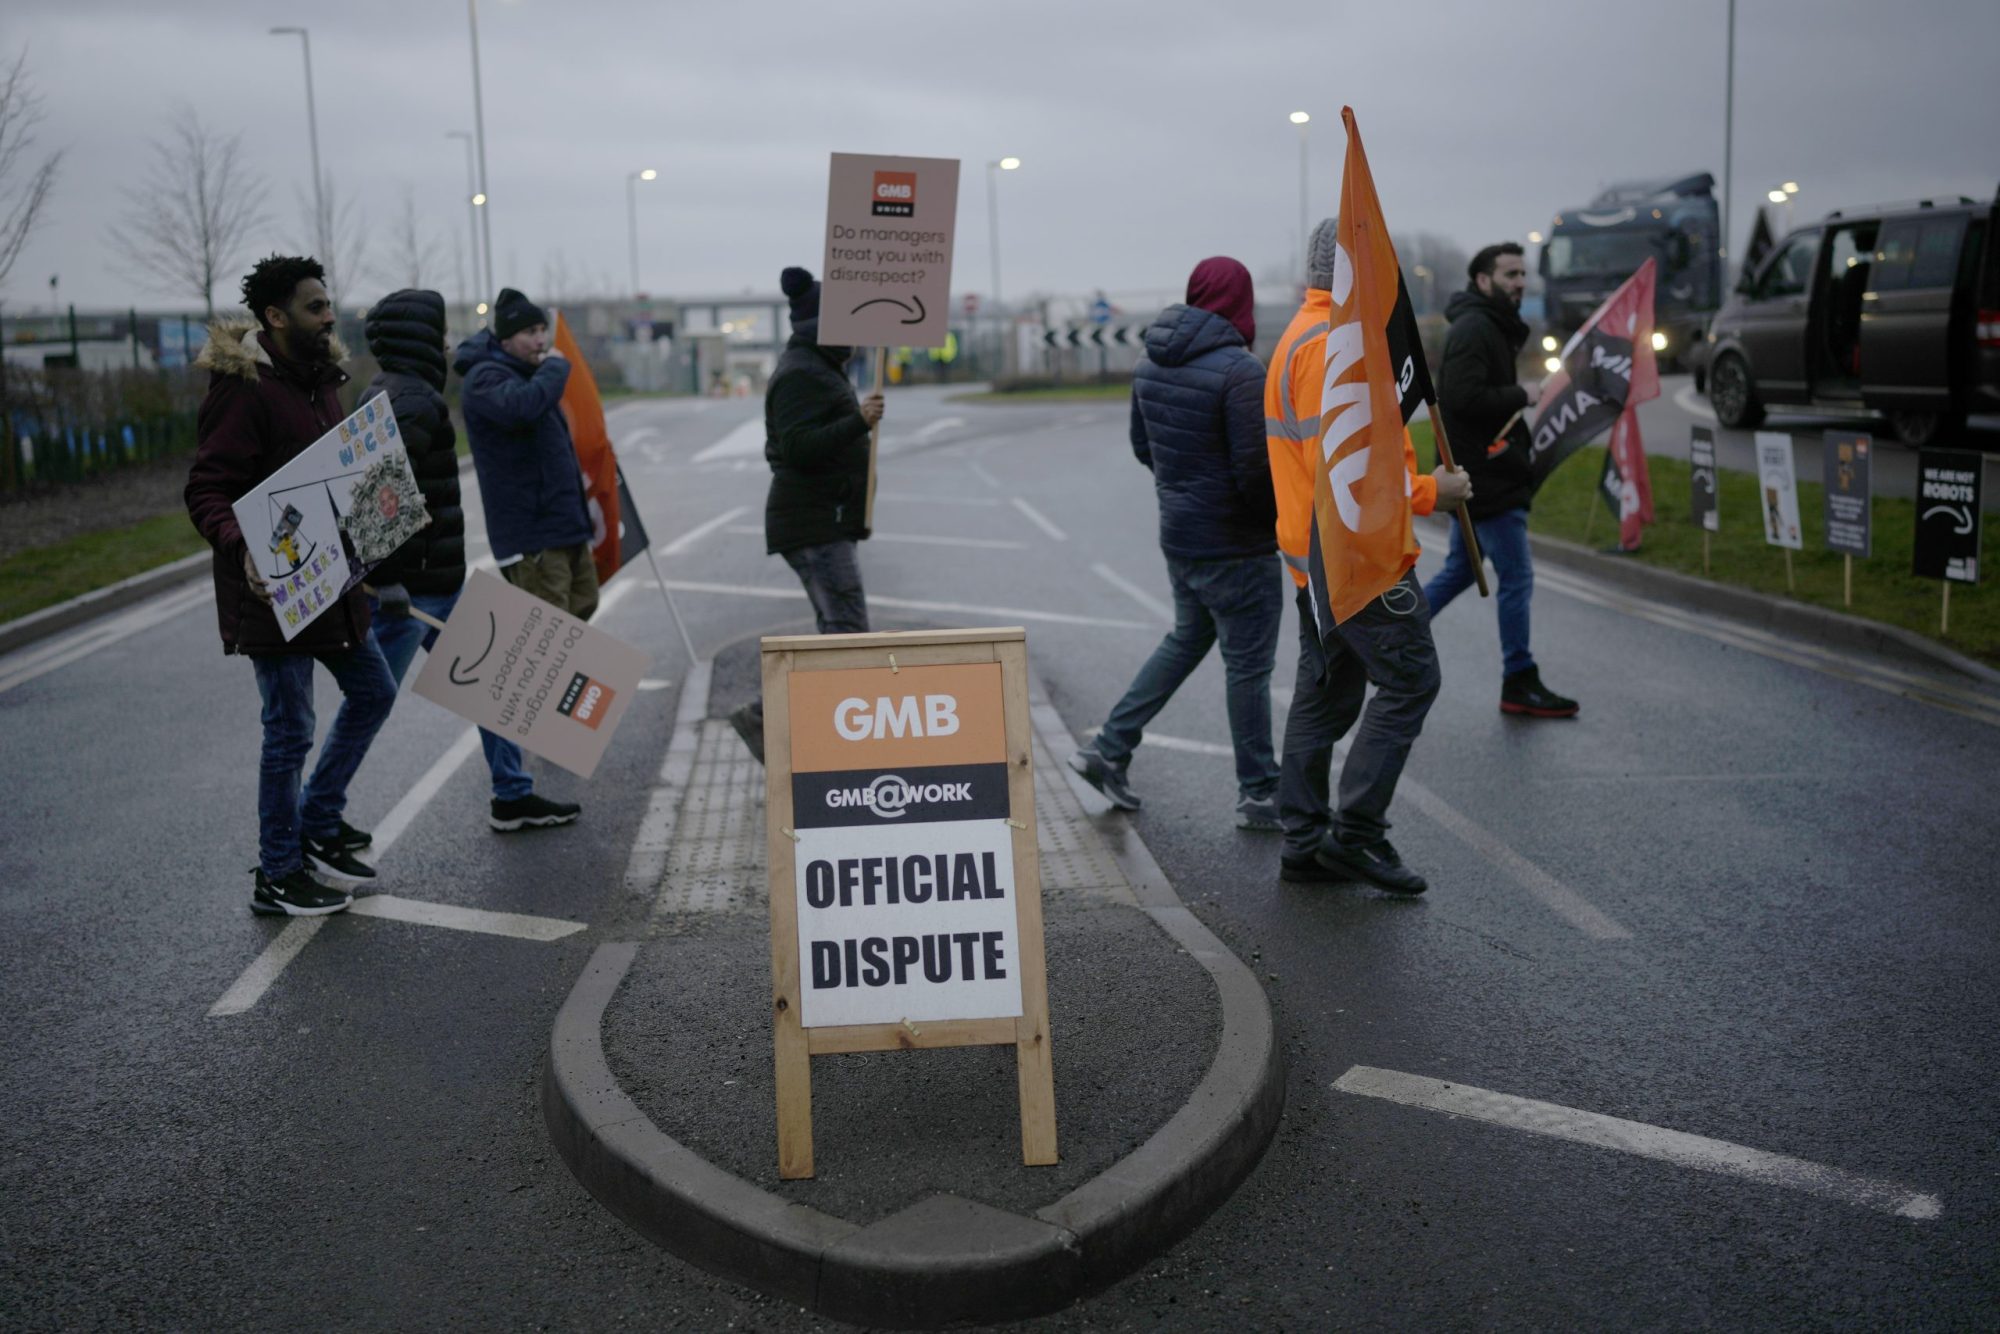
<point x="816" y="441"/>
<point x="273" y="389"/>
<point x="536" y="519"/>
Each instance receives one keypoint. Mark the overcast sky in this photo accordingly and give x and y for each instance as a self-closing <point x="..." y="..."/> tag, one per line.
<point x="1152" y="134"/>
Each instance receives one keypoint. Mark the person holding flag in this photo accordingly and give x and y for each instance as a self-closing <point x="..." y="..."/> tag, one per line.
<point x="1482" y="400"/>
<point x="1348" y="373"/>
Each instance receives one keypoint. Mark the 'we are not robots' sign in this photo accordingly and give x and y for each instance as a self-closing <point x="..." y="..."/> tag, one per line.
<point x="905" y="885"/>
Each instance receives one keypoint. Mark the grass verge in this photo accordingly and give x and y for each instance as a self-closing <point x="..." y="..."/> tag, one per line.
<point x="1884" y="588"/>
<point x="31" y="580"/>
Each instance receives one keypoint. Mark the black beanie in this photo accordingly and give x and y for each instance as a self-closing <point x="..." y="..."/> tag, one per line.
<point x="514" y="312"/>
<point x="799" y="286"/>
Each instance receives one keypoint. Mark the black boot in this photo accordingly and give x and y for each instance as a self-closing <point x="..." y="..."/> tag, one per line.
<point x="1523" y="692"/>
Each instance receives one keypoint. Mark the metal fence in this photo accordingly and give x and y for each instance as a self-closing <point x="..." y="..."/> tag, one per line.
<point x="65" y="425"/>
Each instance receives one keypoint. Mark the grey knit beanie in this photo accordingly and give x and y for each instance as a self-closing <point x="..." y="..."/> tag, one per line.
<point x="1320" y="255"/>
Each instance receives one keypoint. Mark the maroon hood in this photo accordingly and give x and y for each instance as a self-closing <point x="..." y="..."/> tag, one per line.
<point x="1223" y="286"/>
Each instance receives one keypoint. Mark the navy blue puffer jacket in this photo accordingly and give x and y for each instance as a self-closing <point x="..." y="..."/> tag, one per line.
<point x="528" y="476"/>
<point x="1198" y="423"/>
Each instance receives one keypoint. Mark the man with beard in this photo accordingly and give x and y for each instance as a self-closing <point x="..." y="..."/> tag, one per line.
<point x="273" y="389"/>
<point x="816" y="441"/>
<point x="1478" y="393"/>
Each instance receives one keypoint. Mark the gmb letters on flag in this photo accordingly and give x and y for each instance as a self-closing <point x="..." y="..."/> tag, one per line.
<point x="1362" y="540"/>
<point x="584" y="408"/>
<point x="1608" y="369"/>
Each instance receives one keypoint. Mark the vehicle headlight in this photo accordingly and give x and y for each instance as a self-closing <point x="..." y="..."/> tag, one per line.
<point x="1659" y="341"/>
<point x="1553" y="364"/>
<point x="1548" y="342"/>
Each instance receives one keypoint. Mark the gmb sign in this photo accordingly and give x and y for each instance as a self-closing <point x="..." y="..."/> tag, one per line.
<point x="906" y="902"/>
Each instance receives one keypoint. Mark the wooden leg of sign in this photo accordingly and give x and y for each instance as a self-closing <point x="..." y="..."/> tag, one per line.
<point x="1464" y="519"/>
<point x="1847" y="581"/>
<point x="1590" y="522"/>
<point x="794" y="1064"/>
<point x="1704" y="552"/>
<point x="1791" y="584"/>
<point x="1944" y="612"/>
<point x="1034" y="1058"/>
<point x="881" y="355"/>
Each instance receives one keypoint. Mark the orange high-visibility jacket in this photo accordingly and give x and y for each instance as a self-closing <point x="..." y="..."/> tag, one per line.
<point x="1292" y="390"/>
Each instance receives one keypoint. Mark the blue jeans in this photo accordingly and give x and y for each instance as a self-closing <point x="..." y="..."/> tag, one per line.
<point x="285" y="681"/>
<point x="1237" y="602"/>
<point x="1504" y="538"/>
<point x="399" y="638"/>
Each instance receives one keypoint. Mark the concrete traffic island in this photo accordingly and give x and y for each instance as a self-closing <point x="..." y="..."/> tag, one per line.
<point x="659" y="1088"/>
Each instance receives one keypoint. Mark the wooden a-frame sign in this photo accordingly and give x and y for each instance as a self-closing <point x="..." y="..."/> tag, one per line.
<point x="905" y="887"/>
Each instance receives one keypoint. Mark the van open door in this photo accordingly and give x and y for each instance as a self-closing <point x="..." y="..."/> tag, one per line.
<point x="1909" y="313"/>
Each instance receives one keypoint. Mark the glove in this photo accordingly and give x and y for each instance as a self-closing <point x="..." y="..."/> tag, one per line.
<point x="392" y="602"/>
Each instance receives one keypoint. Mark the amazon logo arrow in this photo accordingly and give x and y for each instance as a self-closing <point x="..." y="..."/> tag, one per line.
<point x="492" y="635"/>
<point x="1962" y="518"/>
<point x="918" y="318"/>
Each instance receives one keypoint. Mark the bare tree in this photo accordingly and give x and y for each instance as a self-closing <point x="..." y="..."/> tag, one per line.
<point x="413" y="254"/>
<point x="186" y="222"/>
<point x="344" y="252"/>
<point x="24" y="184"/>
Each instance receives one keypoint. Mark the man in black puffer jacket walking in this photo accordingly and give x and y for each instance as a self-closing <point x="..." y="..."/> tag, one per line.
<point x="406" y="335"/>
<point x="816" y="441"/>
<point x="1198" y="423"/>
<point x="1478" y="393"/>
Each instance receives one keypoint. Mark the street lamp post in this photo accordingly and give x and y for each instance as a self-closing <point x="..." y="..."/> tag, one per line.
<point x="471" y="209"/>
<point x="1783" y="195"/>
<point x="479" y="200"/>
<point x="1303" y="119"/>
<point x="312" y="131"/>
<point x="993" y="217"/>
<point x="632" y="217"/>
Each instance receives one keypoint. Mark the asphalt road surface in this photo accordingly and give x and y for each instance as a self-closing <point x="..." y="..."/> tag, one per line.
<point x="1694" y="1028"/>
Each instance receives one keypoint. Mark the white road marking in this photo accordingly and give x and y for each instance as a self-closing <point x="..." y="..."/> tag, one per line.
<point x="264" y="969"/>
<point x="979" y="471"/>
<point x="1040" y="520"/>
<point x="652" y="682"/>
<point x="746" y="439"/>
<point x="646" y="864"/>
<point x="935" y="500"/>
<point x="1133" y="591"/>
<point x="913" y="539"/>
<point x="932" y="429"/>
<point x="1645" y="1141"/>
<point x="694" y="535"/>
<point x="1693" y="404"/>
<point x="1179" y="743"/>
<point x="26" y="664"/>
<point x="518" y="925"/>
<point x="996" y="615"/>
<point x="419" y="796"/>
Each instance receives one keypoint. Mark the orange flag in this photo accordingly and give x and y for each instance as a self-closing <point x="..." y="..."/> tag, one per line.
<point x="594" y="459"/>
<point x="1362" y="537"/>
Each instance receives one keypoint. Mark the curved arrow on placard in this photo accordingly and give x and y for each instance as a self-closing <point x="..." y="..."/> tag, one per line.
<point x="892" y="301"/>
<point x="1962" y="516"/>
<point x="492" y="636"/>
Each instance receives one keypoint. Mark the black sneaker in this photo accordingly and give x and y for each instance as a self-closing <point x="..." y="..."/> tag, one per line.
<point x="748" y="720"/>
<point x="296" y="895"/>
<point x="1524" y="693"/>
<point x="326" y="858"/>
<point x="1258" y="813"/>
<point x="1307" y="870"/>
<point x="531" y="812"/>
<point x="1099" y="774"/>
<point x="351" y="838"/>
<point x="1374" y="864"/>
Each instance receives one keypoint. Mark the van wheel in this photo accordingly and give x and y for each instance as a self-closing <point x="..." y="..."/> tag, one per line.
<point x="1734" y="395"/>
<point x="1917" y="428"/>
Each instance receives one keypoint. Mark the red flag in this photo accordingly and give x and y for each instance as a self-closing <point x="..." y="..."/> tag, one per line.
<point x="1362" y="538"/>
<point x="594" y="457"/>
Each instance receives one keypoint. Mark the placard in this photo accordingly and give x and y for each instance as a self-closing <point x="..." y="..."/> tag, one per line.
<point x="1949" y="512"/>
<point x="1849" y="489"/>
<point x="339" y="507"/>
<point x="1778" y="490"/>
<point x="528" y="671"/>
<point x="905" y="884"/>
<point x="1702" y="480"/>
<point x="886" y="281"/>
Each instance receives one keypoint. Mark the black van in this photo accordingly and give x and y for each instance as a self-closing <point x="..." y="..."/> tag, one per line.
<point x="1894" y="310"/>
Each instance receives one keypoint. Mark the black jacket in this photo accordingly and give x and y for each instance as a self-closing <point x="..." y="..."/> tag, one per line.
<point x="1198" y="423"/>
<point x="1478" y="392"/>
<point x="817" y="445"/>
<point x="406" y="335"/>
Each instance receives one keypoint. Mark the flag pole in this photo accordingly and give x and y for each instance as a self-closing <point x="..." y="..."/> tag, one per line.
<point x="1464" y="519"/>
<point x="672" y="610"/>
<point x="881" y="354"/>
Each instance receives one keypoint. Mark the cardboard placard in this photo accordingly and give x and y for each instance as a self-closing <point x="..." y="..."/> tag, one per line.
<point x="886" y="281"/>
<point x="528" y="671"/>
<point x="341" y="506"/>
<point x="1849" y="488"/>
<point x="1949" y="513"/>
<point x="1702" y="480"/>
<point x="1779" y="489"/>
<point x="905" y="883"/>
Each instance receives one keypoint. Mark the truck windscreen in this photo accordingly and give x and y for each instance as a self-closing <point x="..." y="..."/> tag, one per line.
<point x="1607" y="254"/>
